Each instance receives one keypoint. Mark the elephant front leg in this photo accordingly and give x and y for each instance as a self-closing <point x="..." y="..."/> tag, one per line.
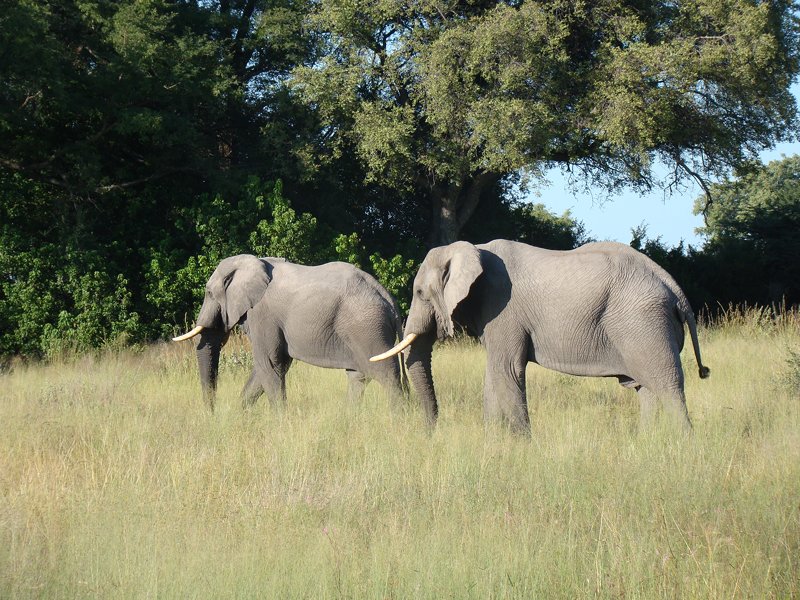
<point x="504" y="393"/>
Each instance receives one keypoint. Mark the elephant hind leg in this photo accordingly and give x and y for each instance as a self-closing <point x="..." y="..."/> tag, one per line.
<point x="251" y="391"/>
<point x="272" y="377"/>
<point x="356" y="382"/>
<point x="668" y="387"/>
<point x="655" y="372"/>
<point x="388" y="375"/>
<point x="648" y="408"/>
<point x="673" y="401"/>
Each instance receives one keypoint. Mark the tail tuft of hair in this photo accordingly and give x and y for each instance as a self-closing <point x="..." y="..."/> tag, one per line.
<point x="704" y="372"/>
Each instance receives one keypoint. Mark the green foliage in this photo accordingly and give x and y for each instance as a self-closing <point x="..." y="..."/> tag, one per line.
<point x="752" y="253"/>
<point x="99" y="313"/>
<point x="261" y="222"/>
<point x="762" y="206"/>
<point x="348" y="248"/>
<point x="526" y="222"/>
<point x="256" y="218"/>
<point x="286" y="235"/>
<point x="104" y="94"/>
<point x="536" y="225"/>
<point x="792" y="371"/>
<point x="175" y="290"/>
<point x="56" y="300"/>
<point x="752" y="225"/>
<point x="450" y="101"/>
<point x="396" y="275"/>
<point x="130" y="134"/>
<point x="384" y="133"/>
<point x="144" y="140"/>
<point x="99" y="96"/>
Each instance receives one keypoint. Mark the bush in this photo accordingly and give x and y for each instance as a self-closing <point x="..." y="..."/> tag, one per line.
<point x="396" y="275"/>
<point x="792" y="374"/>
<point x="56" y="300"/>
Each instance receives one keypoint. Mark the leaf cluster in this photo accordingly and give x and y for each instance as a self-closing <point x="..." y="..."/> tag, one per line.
<point x="143" y="140"/>
<point x="425" y="91"/>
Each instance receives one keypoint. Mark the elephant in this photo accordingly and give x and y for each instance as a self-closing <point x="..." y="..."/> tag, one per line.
<point x="602" y="310"/>
<point x="332" y="315"/>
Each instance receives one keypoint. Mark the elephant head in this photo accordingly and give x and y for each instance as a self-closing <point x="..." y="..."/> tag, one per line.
<point x="442" y="283"/>
<point x="237" y="284"/>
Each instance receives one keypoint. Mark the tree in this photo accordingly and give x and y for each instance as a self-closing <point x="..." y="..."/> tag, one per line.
<point x="443" y="100"/>
<point x="752" y="230"/>
<point x="534" y="224"/>
<point x="121" y="124"/>
<point x="101" y="96"/>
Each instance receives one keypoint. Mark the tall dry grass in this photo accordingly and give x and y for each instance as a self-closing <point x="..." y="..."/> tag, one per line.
<point x="115" y="482"/>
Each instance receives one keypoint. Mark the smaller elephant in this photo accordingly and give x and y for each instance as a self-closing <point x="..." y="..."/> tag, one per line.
<point x="333" y="315"/>
<point x="601" y="310"/>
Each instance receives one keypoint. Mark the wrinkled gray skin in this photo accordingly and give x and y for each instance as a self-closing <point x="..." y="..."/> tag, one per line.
<point x="332" y="316"/>
<point x="601" y="310"/>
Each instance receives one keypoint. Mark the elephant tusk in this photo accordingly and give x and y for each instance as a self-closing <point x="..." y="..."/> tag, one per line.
<point x="397" y="349"/>
<point x="188" y="335"/>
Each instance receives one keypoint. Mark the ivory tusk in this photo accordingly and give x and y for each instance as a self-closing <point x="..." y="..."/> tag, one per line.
<point x="397" y="349"/>
<point x="188" y="335"/>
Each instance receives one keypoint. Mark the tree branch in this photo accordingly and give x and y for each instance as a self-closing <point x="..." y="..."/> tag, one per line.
<point x="103" y="189"/>
<point x="681" y="164"/>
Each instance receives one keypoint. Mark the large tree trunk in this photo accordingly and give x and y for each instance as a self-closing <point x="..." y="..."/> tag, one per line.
<point x="454" y="204"/>
<point x="444" y="220"/>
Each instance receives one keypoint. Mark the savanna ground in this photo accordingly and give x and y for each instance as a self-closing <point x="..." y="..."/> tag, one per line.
<point x="115" y="482"/>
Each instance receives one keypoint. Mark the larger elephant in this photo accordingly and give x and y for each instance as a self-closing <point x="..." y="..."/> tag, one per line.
<point x="333" y="315"/>
<point x="602" y="310"/>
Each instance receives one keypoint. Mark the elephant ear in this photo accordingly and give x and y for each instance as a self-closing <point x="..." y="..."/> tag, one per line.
<point x="459" y="273"/>
<point x="237" y="285"/>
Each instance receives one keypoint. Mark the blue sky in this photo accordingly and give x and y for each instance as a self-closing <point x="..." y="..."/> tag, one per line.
<point x="611" y="217"/>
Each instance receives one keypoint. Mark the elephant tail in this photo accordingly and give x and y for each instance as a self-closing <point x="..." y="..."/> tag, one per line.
<point x="702" y="370"/>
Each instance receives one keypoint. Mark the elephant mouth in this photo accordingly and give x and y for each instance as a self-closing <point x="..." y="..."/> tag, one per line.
<point x="405" y="343"/>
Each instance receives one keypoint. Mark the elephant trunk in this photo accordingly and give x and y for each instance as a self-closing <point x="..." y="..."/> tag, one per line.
<point x="418" y="364"/>
<point x="208" y="349"/>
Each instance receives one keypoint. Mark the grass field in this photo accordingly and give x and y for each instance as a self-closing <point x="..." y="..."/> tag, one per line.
<point x="116" y="483"/>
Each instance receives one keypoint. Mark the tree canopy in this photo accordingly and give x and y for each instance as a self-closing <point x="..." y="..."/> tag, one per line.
<point x="754" y="225"/>
<point x="143" y="140"/>
<point x="447" y="98"/>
